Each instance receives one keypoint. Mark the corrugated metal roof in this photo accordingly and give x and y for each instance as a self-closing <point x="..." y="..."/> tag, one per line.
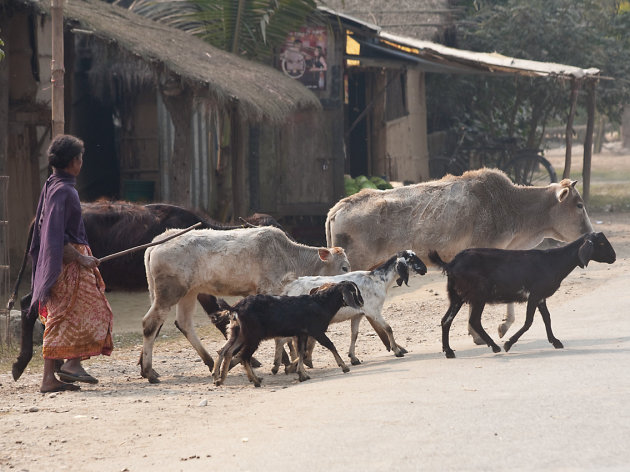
<point x="489" y="62"/>
<point x="434" y="57"/>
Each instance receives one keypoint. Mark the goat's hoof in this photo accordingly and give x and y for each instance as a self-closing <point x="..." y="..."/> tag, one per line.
<point x="355" y="361"/>
<point x="274" y="369"/>
<point x="403" y="351"/>
<point x="345" y="369"/>
<point x="255" y="362"/>
<point x="308" y="363"/>
<point x="507" y="346"/>
<point x="450" y="354"/>
<point x="495" y="348"/>
<point x="400" y="353"/>
<point x="257" y="384"/>
<point x="557" y="344"/>
<point x="304" y="377"/>
<point x="218" y="382"/>
<point x="154" y="380"/>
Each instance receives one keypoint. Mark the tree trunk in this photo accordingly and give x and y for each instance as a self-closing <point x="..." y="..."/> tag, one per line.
<point x="625" y="127"/>
<point x="588" y="140"/>
<point x="575" y="85"/>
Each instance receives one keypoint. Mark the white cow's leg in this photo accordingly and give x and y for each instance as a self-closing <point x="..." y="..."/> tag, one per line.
<point x="354" y="334"/>
<point x="151" y="325"/>
<point x="507" y="321"/>
<point x="183" y="321"/>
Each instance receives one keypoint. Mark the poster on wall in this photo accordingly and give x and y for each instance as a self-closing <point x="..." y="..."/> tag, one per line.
<point x="303" y="57"/>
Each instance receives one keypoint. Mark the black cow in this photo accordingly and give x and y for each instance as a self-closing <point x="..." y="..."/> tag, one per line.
<point x="114" y="226"/>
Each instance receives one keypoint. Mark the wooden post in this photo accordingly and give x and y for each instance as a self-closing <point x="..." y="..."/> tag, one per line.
<point x="588" y="140"/>
<point x="568" y="134"/>
<point x="56" y="66"/>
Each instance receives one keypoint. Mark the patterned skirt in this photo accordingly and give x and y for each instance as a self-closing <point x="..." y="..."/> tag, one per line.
<point x="77" y="317"/>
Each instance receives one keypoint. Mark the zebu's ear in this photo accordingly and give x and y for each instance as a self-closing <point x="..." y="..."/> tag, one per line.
<point x="324" y="254"/>
<point x="562" y="193"/>
<point x="403" y="273"/>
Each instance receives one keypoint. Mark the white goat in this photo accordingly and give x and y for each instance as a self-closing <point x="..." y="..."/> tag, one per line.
<point x="374" y="285"/>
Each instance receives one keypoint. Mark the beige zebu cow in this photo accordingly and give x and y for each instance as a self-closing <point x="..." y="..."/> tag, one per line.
<point x="222" y="263"/>
<point x="481" y="208"/>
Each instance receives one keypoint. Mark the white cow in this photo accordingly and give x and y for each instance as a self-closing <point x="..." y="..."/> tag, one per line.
<point x="481" y="208"/>
<point x="222" y="263"/>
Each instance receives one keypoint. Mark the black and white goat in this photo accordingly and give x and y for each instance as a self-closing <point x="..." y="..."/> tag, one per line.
<point x="480" y="276"/>
<point x="374" y="285"/>
<point x="260" y="317"/>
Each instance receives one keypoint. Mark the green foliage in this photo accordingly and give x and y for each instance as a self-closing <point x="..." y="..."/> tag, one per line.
<point x="250" y="28"/>
<point x="354" y="185"/>
<point x="1" y="51"/>
<point x="582" y="33"/>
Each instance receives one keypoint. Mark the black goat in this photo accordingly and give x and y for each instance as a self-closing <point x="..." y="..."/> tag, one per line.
<point x="480" y="276"/>
<point x="260" y="317"/>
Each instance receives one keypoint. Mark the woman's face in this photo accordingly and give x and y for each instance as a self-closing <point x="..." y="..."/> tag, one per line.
<point x="75" y="165"/>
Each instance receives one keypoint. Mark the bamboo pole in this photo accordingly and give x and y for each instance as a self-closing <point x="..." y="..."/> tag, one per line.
<point x="57" y="69"/>
<point x="144" y="246"/>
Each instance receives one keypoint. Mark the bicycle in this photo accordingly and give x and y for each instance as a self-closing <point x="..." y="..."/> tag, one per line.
<point x="523" y="166"/>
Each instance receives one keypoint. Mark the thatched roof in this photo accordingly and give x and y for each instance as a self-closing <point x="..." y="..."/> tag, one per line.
<point x="421" y="19"/>
<point x="259" y="91"/>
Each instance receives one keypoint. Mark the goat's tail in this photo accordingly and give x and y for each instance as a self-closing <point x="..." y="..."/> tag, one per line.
<point x="437" y="260"/>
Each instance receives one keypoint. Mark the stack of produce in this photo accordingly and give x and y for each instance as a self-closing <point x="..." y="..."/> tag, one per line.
<point x="361" y="182"/>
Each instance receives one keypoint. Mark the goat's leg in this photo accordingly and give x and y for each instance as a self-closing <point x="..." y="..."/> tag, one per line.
<point x="327" y="343"/>
<point x="508" y="321"/>
<point x="475" y="321"/>
<point x="183" y="320"/>
<point x="477" y="339"/>
<point x="546" y="316"/>
<point x="381" y="326"/>
<point x="246" y="359"/>
<point x="447" y="320"/>
<point x="301" y="349"/>
<point x="151" y="325"/>
<point x="529" y="318"/>
<point x="278" y="355"/>
<point x="224" y="367"/>
<point x="308" y="355"/>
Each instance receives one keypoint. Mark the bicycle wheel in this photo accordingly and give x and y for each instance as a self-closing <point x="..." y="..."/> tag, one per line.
<point x="440" y="166"/>
<point x="530" y="169"/>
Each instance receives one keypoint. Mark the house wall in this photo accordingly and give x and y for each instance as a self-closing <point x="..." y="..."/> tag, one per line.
<point x="25" y="92"/>
<point x="406" y="154"/>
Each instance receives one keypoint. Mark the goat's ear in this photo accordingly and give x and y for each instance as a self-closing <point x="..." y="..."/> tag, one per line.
<point x="352" y="296"/>
<point x="324" y="254"/>
<point x="585" y="252"/>
<point x="403" y="273"/>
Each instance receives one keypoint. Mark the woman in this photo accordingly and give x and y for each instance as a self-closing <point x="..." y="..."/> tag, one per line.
<point x="66" y="284"/>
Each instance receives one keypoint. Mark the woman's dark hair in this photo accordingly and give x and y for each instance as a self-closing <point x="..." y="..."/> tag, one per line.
<point x="63" y="149"/>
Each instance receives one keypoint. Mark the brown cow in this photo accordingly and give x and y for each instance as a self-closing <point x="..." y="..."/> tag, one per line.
<point x="481" y="208"/>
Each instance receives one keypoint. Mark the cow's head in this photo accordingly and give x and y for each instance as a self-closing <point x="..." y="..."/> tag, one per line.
<point x="568" y="215"/>
<point x="335" y="261"/>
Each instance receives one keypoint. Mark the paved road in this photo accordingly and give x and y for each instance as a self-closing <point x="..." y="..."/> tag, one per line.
<point x="532" y="409"/>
